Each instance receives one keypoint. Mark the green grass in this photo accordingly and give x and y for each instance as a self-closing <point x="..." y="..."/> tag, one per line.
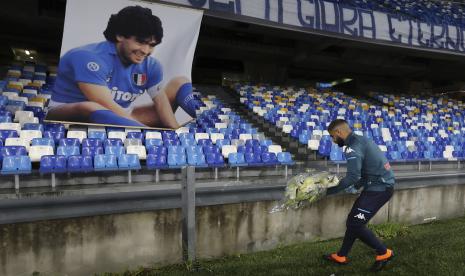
<point x="436" y="248"/>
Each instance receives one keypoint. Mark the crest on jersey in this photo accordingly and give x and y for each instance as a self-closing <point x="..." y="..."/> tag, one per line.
<point x="139" y="79"/>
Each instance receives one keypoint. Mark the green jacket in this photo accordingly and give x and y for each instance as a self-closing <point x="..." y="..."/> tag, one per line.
<point x="367" y="166"/>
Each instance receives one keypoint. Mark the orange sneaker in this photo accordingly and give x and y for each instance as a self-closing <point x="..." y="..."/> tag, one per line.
<point x="382" y="260"/>
<point x="336" y="258"/>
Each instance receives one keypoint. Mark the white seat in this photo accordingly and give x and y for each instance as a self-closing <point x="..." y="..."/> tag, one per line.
<point x="18" y="142"/>
<point x="30" y="134"/>
<point x="139" y="150"/>
<point x="275" y="149"/>
<point x="313" y="144"/>
<point x="201" y="135"/>
<point x="287" y="128"/>
<point x="117" y="135"/>
<point x="10" y="126"/>
<point x="182" y="130"/>
<point x="153" y="135"/>
<point x="132" y="142"/>
<point x="221" y="125"/>
<point x="245" y="136"/>
<point x="132" y="130"/>
<point x="227" y="149"/>
<point x="95" y="129"/>
<point x="383" y="148"/>
<point x="216" y="136"/>
<point x="22" y="114"/>
<point x="36" y="152"/>
<point x="36" y="104"/>
<point x="33" y="120"/>
<point x="10" y="95"/>
<point x="79" y="134"/>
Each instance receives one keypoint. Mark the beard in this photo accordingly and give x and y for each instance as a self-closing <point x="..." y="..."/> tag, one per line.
<point x="340" y="142"/>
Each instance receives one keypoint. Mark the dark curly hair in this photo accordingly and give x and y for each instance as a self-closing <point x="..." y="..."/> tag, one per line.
<point x="134" y="21"/>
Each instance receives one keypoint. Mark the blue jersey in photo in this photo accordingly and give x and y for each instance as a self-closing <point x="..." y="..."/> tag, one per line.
<point x="99" y="64"/>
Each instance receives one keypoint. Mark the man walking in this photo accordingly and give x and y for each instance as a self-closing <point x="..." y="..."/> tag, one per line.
<point x="367" y="168"/>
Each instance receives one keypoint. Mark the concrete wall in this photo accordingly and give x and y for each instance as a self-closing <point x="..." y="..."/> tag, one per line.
<point x="88" y="245"/>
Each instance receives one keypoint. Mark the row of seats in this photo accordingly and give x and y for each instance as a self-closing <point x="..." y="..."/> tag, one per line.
<point x="304" y="115"/>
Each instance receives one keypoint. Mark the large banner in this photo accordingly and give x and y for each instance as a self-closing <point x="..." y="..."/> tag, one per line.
<point x="331" y="17"/>
<point x="126" y="63"/>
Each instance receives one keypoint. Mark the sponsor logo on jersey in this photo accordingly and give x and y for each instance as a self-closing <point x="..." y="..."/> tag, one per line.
<point x="360" y="216"/>
<point x="93" y="66"/>
<point x="124" y="96"/>
<point x="349" y="150"/>
<point x="139" y="79"/>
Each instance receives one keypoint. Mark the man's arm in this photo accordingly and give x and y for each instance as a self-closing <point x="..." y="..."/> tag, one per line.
<point x="102" y="95"/>
<point x="354" y="158"/>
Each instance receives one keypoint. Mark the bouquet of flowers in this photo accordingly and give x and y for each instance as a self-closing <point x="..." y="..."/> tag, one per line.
<point x="305" y="188"/>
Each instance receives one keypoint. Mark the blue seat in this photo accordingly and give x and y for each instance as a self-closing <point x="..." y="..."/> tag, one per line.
<point x="135" y="135"/>
<point x="269" y="158"/>
<point x="156" y="161"/>
<point x="153" y="142"/>
<point x="253" y="159"/>
<point x="214" y="159"/>
<point x="52" y="164"/>
<point x="91" y="142"/>
<point x="285" y="158"/>
<point x="129" y="162"/>
<point x="43" y="142"/>
<point x="266" y="142"/>
<point x="211" y="149"/>
<point x="115" y="150"/>
<point x="236" y="159"/>
<point x="56" y="127"/>
<point x="195" y="159"/>
<point x="79" y="163"/>
<point x="33" y="126"/>
<point x="91" y="151"/>
<point x="69" y="142"/>
<point x="176" y="160"/>
<point x="169" y="142"/>
<point x="176" y="150"/>
<point x="188" y="142"/>
<point x="13" y="151"/>
<point x="222" y="142"/>
<point x="56" y="136"/>
<point x="5" y="119"/>
<point x="113" y="142"/>
<point x="16" y="165"/>
<point x="336" y="154"/>
<point x="104" y="162"/>
<point x="68" y="150"/>
<point x="157" y="150"/>
<point x="8" y="134"/>
<point x="204" y="142"/>
<point x="102" y="135"/>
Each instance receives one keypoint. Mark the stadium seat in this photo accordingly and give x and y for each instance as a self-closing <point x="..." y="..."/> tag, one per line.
<point x="139" y="150"/>
<point x="115" y="150"/>
<point x="78" y="163"/>
<point x="285" y="158"/>
<point x="156" y="161"/>
<point x="129" y="162"/>
<point x="104" y="162"/>
<point x="53" y="164"/>
<point x="68" y="150"/>
<point x="78" y="134"/>
<point x="16" y="165"/>
<point x="236" y="159"/>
